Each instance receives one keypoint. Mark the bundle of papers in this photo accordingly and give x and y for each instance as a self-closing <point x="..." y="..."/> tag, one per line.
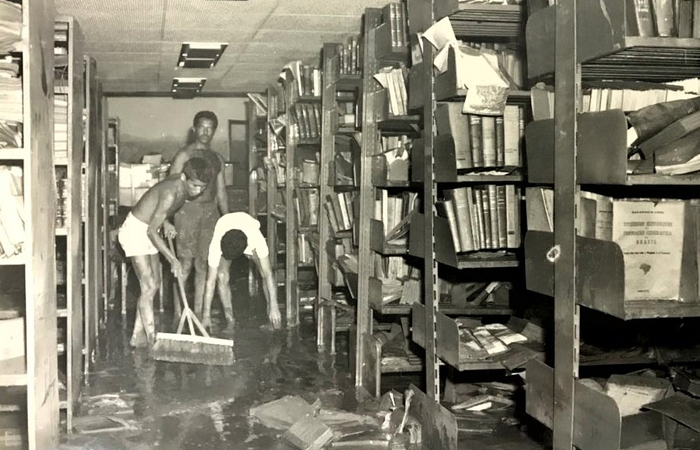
<point x="10" y="26"/>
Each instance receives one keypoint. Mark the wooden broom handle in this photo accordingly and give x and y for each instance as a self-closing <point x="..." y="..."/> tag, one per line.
<point x="191" y="318"/>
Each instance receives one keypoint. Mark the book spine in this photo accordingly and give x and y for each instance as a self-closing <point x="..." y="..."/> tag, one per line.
<point x="481" y="226"/>
<point x="502" y="216"/>
<point x="696" y="19"/>
<point x="454" y="227"/>
<point x="488" y="140"/>
<point x="493" y="214"/>
<point x="475" y="139"/>
<point x="500" y="142"/>
<point x="510" y="216"/>
<point x="511" y="136"/>
<point x="464" y="222"/>
<point x="663" y="15"/>
<point x="486" y="217"/>
<point x="684" y="16"/>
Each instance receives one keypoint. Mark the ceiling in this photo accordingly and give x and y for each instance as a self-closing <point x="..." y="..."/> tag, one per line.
<point x="136" y="43"/>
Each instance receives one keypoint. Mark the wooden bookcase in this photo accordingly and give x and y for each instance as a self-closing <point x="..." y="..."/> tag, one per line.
<point x="110" y="204"/>
<point x="93" y="306"/>
<point x="69" y="84"/>
<point x="275" y="219"/>
<point x="257" y="148"/>
<point x="333" y="82"/>
<point x="29" y="277"/>
<point x="588" y="272"/>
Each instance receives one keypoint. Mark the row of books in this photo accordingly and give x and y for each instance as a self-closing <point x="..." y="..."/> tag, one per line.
<point x="394" y="15"/>
<point x="307" y="117"/>
<point x="665" y="18"/>
<point x="11" y="99"/>
<point x="483" y="216"/>
<point x="350" y="56"/>
<point x="12" y="234"/>
<point x="341" y="211"/>
<point x="340" y="249"/>
<point x="393" y="80"/>
<point x="10" y="26"/>
<point x="396" y="274"/>
<point x="394" y="210"/>
<point x="625" y="96"/>
<point x="305" y="251"/>
<point x="306" y="205"/>
<point x="595" y="219"/>
<point x="306" y="79"/>
<point x="483" y="141"/>
<point x="507" y="57"/>
<point x="63" y="196"/>
<point x="345" y="169"/>
<point x="348" y="113"/>
<point x="60" y="126"/>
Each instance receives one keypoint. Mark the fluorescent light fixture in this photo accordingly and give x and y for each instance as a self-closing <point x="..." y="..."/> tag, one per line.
<point x="200" y="55"/>
<point x="187" y="87"/>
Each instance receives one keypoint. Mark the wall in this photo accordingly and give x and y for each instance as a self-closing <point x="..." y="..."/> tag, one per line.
<point x="160" y="125"/>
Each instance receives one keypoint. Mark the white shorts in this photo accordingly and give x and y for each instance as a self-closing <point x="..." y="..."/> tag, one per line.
<point x="133" y="237"/>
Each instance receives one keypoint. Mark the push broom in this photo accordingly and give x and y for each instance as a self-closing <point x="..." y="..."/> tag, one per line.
<point x="191" y="348"/>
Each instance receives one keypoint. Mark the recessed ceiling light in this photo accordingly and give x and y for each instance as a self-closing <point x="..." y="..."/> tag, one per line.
<point x="187" y="87"/>
<point x="200" y="55"/>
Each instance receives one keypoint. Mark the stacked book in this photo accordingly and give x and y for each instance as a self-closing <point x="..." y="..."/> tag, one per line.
<point x="627" y="96"/>
<point x="483" y="141"/>
<point x="347" y="109"/>
<point x="394" y="14"/>
<point x="307" y="117"/>
<point x="340" y="209"/>
<point x="306" y="207"/>
<point x="394" y="210"/>
<point x="393" y="80"/>
<point x="10" y="26"/>
<point x="60" y="127"/>
<point x="12" y="234"/>
<point x="350" y="56"/>
<point x="483" y="216"/>
<point x="10" y="99"/>
<point x="62" y="207"/>
<point x="338" y="251"/>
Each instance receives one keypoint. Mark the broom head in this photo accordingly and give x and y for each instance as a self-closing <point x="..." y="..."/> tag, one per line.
<point x="193" y="349"/>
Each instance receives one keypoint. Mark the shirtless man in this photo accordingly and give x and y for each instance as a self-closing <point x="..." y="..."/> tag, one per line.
<point x="140" y="239"/>
<point x="195" y="221"/>
<point x="237" y="234"/>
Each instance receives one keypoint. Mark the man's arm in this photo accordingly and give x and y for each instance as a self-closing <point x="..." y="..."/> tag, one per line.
<point x="179" y="161"/>
<point x="209" y="286"/>
<point x="269" y="288"/>
<point x="221" y="194"/>
<point x="165" y="201"/>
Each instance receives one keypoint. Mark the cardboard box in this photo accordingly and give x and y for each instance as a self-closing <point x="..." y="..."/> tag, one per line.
<point x="658" y="241"/>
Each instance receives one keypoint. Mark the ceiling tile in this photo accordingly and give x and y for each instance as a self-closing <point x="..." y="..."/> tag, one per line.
<point x="313" y="22"/>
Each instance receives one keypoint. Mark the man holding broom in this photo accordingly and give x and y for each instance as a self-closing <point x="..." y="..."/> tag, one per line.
<point x="237" y="234"/>
<point x="139" y="237"/>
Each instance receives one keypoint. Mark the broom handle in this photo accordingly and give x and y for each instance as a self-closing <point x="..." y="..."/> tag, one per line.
<point x="185" y="307"/>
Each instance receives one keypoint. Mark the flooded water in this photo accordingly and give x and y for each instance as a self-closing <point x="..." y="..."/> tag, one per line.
<point x="187" y="406"/>
<point x="178" y="406"/>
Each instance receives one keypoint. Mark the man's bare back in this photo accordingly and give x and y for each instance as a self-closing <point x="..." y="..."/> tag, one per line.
<point x="214" y="159"/>
<point x="169" y="194"/>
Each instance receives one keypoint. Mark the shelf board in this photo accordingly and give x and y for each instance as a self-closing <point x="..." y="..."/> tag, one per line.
<point x="307" y="186"/>
<point x="13" y="372"/>
<point x="62" y="231"/>
<point x="405" y="310"/>
<point x="62" y="312"/>
<point x="398" y="364"/>
<point x="308" y="99"/>
<point x="601" y="279"/>
<point x="477" y="178"/>
<point x="348" y="82"/>
<point x="654" y="179"/>
<point x="400" y="125"/>
<point x="486" y="260"/>
<point x="309" y="141"/>
<point x="605" y="51"/>
<point x="12" y="153"/>
<point x="61" y="348"/>
<point x="307" y="229"/>
<point x="16" y="260"/>
<point x="488" y="20"/>
<point x="346" y="130"/>
<point x="60" y="161"/>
